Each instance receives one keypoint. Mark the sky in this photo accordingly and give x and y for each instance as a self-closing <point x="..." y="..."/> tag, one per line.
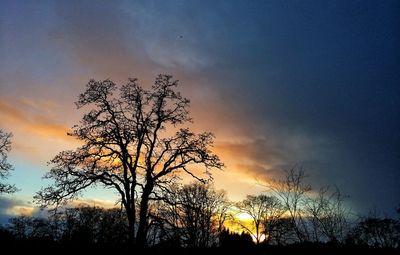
<point x="280" y="83"/>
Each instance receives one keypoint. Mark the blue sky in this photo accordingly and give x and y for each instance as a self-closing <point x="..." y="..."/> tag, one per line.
<point x="312" y="83"/>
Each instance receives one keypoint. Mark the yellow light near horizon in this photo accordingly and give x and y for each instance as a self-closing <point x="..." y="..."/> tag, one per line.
<point x="244" y="217"/>
<point x="20" y="210"/>
<point x="243" y="223"/>
<point x="253" y="237"/>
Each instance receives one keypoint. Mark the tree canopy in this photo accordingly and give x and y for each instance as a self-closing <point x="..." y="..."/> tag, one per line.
<point x="5" y="166"/>
<point x="132" y="141"/>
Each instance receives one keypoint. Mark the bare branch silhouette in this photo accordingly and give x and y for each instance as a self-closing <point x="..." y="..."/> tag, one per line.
<point x="5" y="167"/>
<point x="131" y="143"/>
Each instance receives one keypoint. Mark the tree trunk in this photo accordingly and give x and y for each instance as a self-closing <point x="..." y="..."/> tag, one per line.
<point x="257" y="234"/>
<point x="131" y="224"/>
<point x="144" y="204"/>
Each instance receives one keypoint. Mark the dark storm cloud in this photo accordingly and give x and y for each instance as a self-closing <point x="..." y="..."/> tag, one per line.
<point x="315" y="70"/>
<point x="100" y="37"/>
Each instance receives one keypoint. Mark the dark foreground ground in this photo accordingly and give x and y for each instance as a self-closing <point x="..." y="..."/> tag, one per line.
<point x="17" y="247"/>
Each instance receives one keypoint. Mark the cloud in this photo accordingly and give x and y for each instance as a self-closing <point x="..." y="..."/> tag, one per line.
<point x="270" y="154"/>
<point x="11" y="207"/>
<point x="251" y="150"/>
<point x="104" y="203"/>
<point x="37" y="132"/>
<point x="24" y="210"/>
<point x="98" y="39"/>
<point x="28" y="115"/>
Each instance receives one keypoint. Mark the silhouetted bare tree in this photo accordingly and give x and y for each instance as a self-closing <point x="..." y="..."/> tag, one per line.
<point x="272" y="221"/>
<point x="82" y="225"/>
<point x="20" y="226"/>
<point x="292" y="191"/>
<point x="32" y="228"/>
<point x="129" y="145"/>
<point x="281" y="232"/>
<point x="5" y="167"/>
<point x="264" y="211"/>
<point x="194" y="213"/>
<point x="90" y="225"/>
<point x="328" y="215"/>
<point x="377" y="232"/>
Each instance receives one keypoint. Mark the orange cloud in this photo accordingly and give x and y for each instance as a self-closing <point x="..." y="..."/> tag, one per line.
<point x="16" y="207"/>
<point x="38" y="134"/>
<point x="18" y="115"/>
<point x="252" y="157"/>
<point x="93" y="202"/>
<point x="19" y="210"/>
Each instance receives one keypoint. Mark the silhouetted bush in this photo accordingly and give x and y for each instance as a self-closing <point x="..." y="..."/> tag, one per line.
<point x="228" y="239"/>
<point x="376" y="232"/>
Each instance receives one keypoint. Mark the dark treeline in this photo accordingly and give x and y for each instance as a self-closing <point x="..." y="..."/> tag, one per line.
<point x="196" y="216"/>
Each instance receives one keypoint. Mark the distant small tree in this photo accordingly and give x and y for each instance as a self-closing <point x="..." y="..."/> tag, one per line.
<point x="21" y="227"/>
<point x="292" y="191"/>
<point x="31" y="228"/>
<point x="132" y="143"/>
<point x="194" y="213"/>
<point x="281" y="232"/>
<point x="90" y="225"/>
<point x="377" y="232"/>
<point x="272" y="220"/>
<point x="328" y="215"/>
<point x="82" y="225"/>
<point x="41" y="229"/>
<point x="232" y="240"/>
<point x="5" y="167"/>
<point x="264" y="212"/>
<point x="113" y="227"/>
